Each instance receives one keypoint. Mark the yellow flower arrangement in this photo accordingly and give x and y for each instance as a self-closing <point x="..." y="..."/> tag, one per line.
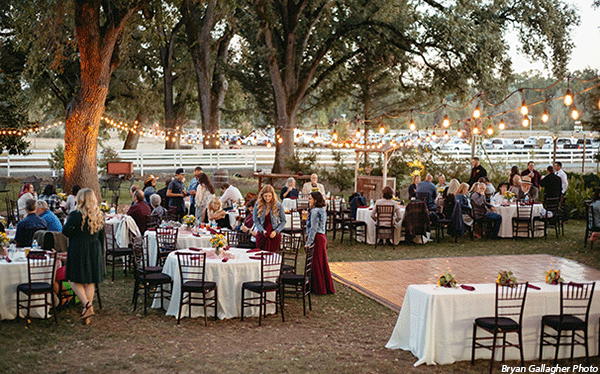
<point x="418" y="168"/>
<point x="63" y="196"/>
<point x="553" y="277"/>
<point x="506" y="278"/>
<point x="4" y="240"/>
<point x="447" y="280"/>
<point x="509" y="195"/>
<point x="218" y="241"/>
<point x="104" y="207"/>
<point x="189" y="220"/>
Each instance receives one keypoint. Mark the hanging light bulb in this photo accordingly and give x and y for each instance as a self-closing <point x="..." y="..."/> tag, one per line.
<point x="446" y="134"/>
<point x="501" y="125"/>
<point x="490" y="130"/>
<point x="574" y="112"/>
<point x="280" y="140"/>
<point x="459" y="133"/>
<point x="357" y="133"/>
<point x="525" y="122"/>
<point x="269" y="145"/>
<point x="568" y="97"/>
<point x="477" y="112"/>
<point x="524" y="108"/>
<point x="412" y="126"/>
<point x="381" y="129"/>
<point x="475" y="130"/>
<point x="545" y="116"/>
<point x="446" y="121"/>
<point x="335" y="136"/>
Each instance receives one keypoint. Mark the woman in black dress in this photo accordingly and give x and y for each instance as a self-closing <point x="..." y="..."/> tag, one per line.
<point x="85" y="263"/>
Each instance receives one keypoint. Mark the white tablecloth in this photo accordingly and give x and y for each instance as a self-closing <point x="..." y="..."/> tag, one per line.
<point x="289" y="204"/>
<point x="11" y="275"/>
<point x="436" y="323"/>
<point x="507" y="213"/>
<point x="229" y="277"/>
<point x="183" y="241"/>
<point x="364" y="215"/>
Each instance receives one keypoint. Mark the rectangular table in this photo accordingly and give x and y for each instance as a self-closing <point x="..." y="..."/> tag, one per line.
<point x="436" y="323"/>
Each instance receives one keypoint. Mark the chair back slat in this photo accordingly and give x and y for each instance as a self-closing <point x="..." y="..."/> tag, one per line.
<point x="385" y="215"/>
<point x="191" y="266"/>
<point x="308" y="262"/>
<point x="576" y="299"/>
<point x="139" y="260"/>
<point x="41" y="268"/>
<point x="270" y="268"/>
<point x="166" y="238"/>
<point x="524" y="210"/>
<point x="290" y="246"/>
<point x="239" y="239"/>
<point x="510" y="300"/>
<point x="109" y="238"/>
<point x="302" y="202"/>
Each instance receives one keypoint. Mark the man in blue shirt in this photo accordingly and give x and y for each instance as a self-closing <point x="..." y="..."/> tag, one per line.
<point x="192" y="188"/>
<point x="428" y="187"/>
<point x="44" y="212"/>
<point x="176" y="192"/>
<point x="29" y="225"/>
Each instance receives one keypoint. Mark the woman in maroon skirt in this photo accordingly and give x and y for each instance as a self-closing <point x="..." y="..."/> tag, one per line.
<point x="269" y="220"/>
<point x="322" y="283"/>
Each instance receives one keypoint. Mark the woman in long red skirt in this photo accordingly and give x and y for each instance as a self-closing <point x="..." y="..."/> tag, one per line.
<point x="269" y="219"/>
<point x="322" y="283"/>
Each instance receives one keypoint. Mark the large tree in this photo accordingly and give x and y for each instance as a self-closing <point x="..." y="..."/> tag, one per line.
<point x="447" y="46"/>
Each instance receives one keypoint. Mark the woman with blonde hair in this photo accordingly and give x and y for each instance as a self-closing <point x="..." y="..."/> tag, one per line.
<point x="85" y="262"/>
<point x="465" y="203"/>
<point x="214" y="212"/>
<point x="412" y="189"/>
<point x="269" y="220"/>
<point x="204" y="195"/>
<point x="450" y="198"/>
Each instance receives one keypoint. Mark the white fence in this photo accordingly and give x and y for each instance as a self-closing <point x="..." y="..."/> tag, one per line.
<point x="149" y="161"/>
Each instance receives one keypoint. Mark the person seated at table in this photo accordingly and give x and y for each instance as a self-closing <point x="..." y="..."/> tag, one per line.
<point x="27" y="193"/>
<point x="489" y="187"/>
<point x="132" y="190"/>
<point x="516" y="184"/>
<point x="442" y="184"/>
<point x="499" y="198"/>
<point x="52" y="221"/>
<point x="289" y="191"/>
<point x="313" y="185"/>
<point x="513" y="171"/>
<point x="356" y="200"/>
<point x="386" y="200"/>
<point x="465" y="203"/>
<point x="450" y="198"/>
<point x="215" y="213"/>
<point x="322" y="282"/>
<point x="72" y="199"/>
<point x="139" y="210"/>
<point x="481" y="210"/>
<point x="595" y="206"/>
<point x="528" y="191"/>
<point x="149" y="188"/>
<point x="412" y="189"/>
<point x="269" y="219"/>
<point x="247" y="225"/>
<point x="155" y="204"/>
<point x="428" y="187"/>
<point x="51" y="198"/>
<point x="29" y="225"/>
<point x="229" y="196"/>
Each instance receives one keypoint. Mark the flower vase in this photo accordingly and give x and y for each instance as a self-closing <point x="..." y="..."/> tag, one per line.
<point x="217" y="250"/>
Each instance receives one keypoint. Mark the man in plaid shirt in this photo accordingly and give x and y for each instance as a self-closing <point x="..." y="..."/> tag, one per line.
<point x="51" y="198"/>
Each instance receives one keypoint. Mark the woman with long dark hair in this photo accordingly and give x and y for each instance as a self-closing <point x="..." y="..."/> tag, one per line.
<point x="322" y="283"/>
<point x="204" y="195"/>
<point x="269" y="219"/>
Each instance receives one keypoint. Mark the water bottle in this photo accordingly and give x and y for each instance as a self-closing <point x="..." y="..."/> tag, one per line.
<point x="234" y="205"/>
<point x="34" y="245"/>
<point x="11" y="226"/>
<point x="526" y="199"/>
<point x="112" y="210"/>
<point x="372" y="203"/>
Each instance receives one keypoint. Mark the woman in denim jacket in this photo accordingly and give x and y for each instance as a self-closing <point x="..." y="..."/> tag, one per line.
<point x="269" y="220"/>
<point x="322" y="283"/>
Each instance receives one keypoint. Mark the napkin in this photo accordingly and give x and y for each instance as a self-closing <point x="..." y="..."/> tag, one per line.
<point x="195" y="249"/>
<point x="8" y="260"/>
<point x="253" y="250"/>
<point x="256" y="257"/>
<point x="532" y="286"/>
<point x="363" y="206"/>
<point x="225" y="260"/>
<point x="150" y="229"/>
<point x="212" y="231"/>
<point x="466" y="287"/>
<point x="196" y="234"/>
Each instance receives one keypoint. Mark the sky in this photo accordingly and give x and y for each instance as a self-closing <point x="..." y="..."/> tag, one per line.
<point x="586" y="38"/>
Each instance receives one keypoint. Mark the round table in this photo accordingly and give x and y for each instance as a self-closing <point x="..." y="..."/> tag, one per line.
<point x="229" y="277"/>
<point x="183" y="241"/>
<point x="364" y="215"/>
<point x="11" y="275"/>
<point x="510" y="211"/>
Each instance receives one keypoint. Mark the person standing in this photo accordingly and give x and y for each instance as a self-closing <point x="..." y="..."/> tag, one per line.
<point x="321" y="280"/>
<point x="27" y="193"/>
<point x="72" y="199"/>
<point x="269" y="219"/>
<point x="204" y="194"/>
<point x="552" y="184"/>
<point x="176" y="192"/>
<point x="477" y="171"/>
<point x="564" y="186"/>
<point x="230" y="195"/>
<point x="192" y="190"/>
<point x="85" y="262"/>
<point x="533" y="174"/>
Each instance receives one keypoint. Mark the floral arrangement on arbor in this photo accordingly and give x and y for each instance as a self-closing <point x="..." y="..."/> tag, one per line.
<point x="189" y="220"/>
<point x="417" y="167"/>
<point x="506" y="278"/>
<point x="219" y="242"/>
<point x="62" y="195"/>
<point x="553" y="277"/>
<point x="104" y="207"/>
<point x="509" y="195"/>
<point x="447" y="280"/>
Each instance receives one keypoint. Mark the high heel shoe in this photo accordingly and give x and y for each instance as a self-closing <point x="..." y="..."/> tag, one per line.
<point x="87" y="311"/>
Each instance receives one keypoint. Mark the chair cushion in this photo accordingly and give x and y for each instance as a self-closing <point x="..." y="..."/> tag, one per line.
<point x="521" y="219"/>
<point x="36" y="287"/>
<point x="119" y="251"/>
<point x="289" y="230"/>
<point x="569" y="322"/>
<point x="153" y="269"/>
<point x="196" y="286"/>
<point x="156" y="278"/>
<point x="292" y="278"/>
<point x="258" y="287"/>
<point x="504" y="324"/>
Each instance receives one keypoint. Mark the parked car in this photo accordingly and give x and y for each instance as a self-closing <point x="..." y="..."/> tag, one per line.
<point x="518" y="143"/>
<point x="497" y="143"/>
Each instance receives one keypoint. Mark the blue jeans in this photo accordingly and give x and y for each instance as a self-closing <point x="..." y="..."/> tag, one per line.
<point x="493" y="226"/>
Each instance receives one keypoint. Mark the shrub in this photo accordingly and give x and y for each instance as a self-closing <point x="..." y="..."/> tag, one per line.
<point x="57" y="159"/>
<point x="107" y="155"/>
<point x="577" y="194"/>
<point x="305" y="164"/>
<point x="341" y="176"/>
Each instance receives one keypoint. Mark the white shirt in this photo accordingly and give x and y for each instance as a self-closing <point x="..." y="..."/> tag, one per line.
<point x="231" y="194"/>
<point x="71" y="203"/>
<point x="563" y="177"/>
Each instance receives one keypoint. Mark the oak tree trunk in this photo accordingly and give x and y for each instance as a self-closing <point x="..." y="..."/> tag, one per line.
<point x="133" y="137"/>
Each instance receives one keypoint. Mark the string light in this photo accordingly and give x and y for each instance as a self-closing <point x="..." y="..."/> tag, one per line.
<point x="501" y="125"/>
<point x="446" y="121"/>
<point x="477" y="112"/>
<point x="545" y="116"/>
<point x="574" y="112"/>
<point x="446" y="134"/>
<point x="476" y="130"/>
<point x="568" y="97"/>
<point x="459" y="133"/>
<point x="490" y="130"/>
<point x="381" y="129"/>
<point x="412" y="126"/>
<point x="524" y="108"/>
<point x="525" y="122"/>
